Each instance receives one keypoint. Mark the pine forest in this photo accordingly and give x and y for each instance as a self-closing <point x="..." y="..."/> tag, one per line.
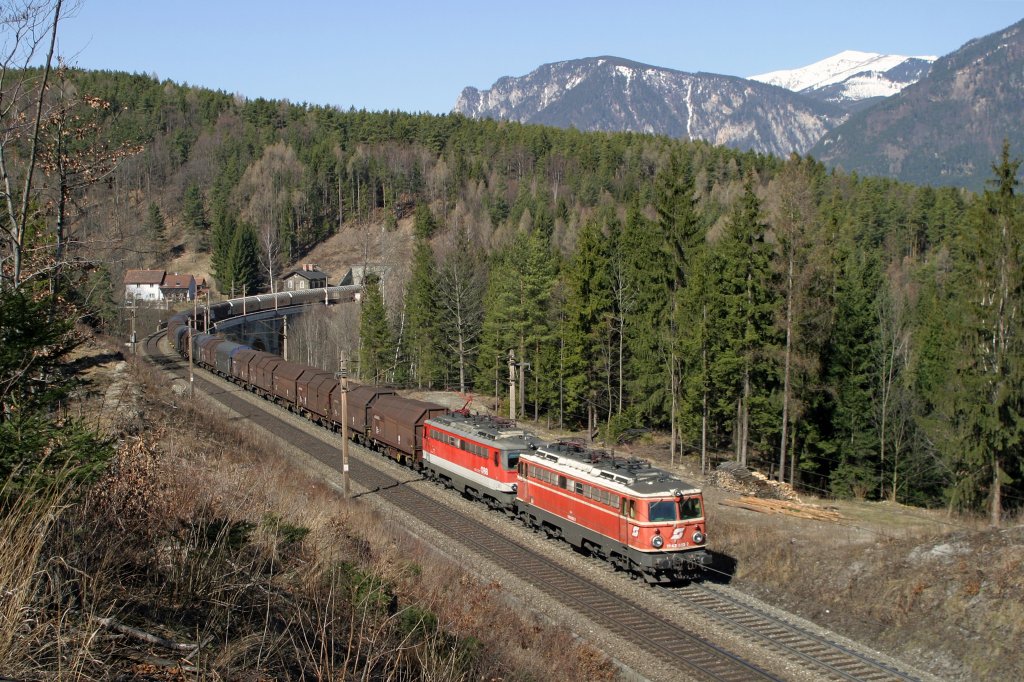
<point x="856" y="336"/>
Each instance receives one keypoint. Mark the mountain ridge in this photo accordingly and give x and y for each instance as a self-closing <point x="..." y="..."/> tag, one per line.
<point x="945" y="129"/>
<point x="613" y="93"/>
<point x="851" y="76"/>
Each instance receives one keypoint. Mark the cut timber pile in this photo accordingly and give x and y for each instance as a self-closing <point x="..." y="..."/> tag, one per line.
<point x="739" y="479"/>
<point x="787" y="507"/>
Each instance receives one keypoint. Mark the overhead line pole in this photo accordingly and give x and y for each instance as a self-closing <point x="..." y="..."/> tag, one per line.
<point x="343" y="389"/>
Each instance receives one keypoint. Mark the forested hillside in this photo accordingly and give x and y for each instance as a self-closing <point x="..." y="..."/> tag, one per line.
<point x="856" y="335"/>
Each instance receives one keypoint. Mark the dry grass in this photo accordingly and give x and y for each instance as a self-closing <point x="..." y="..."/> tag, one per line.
<point x="949" y="601"/>
<point x="197" y="558"/>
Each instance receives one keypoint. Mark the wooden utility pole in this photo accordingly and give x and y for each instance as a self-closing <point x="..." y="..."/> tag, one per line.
<point x="343" y="389"/>
<point x="191" y="374"/>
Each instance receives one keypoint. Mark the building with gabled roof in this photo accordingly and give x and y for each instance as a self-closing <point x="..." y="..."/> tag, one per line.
<point x="178" y="287"/>
<point x="143" y="285"/>
<point x="158" y="285"/>
<point x="308" y="276"/>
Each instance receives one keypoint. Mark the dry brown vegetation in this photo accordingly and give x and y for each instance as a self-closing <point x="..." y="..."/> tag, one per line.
<point x="216" y="559"/>
<point x="949" y="600"/>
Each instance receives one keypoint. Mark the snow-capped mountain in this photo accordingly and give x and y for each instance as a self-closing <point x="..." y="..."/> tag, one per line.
<point x="949" y="128"/>
<point x="851" y="76"/>
<point x="614" y="94"/>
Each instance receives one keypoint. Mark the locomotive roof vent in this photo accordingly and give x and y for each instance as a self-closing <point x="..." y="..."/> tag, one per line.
<point x="615" y="477"/>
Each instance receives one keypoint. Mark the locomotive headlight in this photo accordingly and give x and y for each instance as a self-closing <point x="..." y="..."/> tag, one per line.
<point x="698" y="538"/>
<point x="657" y="541"/>
<point x="515" y="487"/>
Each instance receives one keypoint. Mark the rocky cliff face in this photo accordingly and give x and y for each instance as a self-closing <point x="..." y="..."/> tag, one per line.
<point x="612" y="94"/>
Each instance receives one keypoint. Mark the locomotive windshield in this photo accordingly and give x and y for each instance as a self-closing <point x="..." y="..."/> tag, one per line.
<point x="662" y="511"/>
<point x="513" y="461"/>
<point x="690" y="508"/>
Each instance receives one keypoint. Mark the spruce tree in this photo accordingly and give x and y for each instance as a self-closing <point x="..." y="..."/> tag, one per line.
<point x="850" y="371"/>
<point x="460" y="289"/>
<point x="375" y="341"/>
<point x="990" y="414"/>
<point x="516" y="316"/>
<point x="156" y="231"/>
<point x="645" y="265"/>
<point x="422" y="340"/>
<point x="242" y="271"/>
<point x="587" y="306"/>
<point x="683" y="234"/>
<point x="743" y="326"/>
<point x="193" y="217"/>
<point x="223" y="235"/>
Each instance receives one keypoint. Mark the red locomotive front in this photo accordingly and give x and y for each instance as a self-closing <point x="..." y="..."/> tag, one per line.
<point x="642" y="519"/>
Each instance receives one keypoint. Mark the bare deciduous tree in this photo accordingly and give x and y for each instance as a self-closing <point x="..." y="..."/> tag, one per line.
<point x="28" y="28"/>
<point x="460" y="291"/>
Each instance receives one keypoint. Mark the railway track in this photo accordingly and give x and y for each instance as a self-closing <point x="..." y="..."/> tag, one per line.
<point x="672" y="644"/>
<point x="832" y="659"/>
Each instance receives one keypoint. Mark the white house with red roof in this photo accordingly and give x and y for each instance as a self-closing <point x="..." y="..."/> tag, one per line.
<point x="158" y="286"/>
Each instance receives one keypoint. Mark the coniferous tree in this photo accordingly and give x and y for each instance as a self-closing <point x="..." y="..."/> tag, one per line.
<point x="850" y="370"/>
<point x="460" y="289"/>
<point x="424" y="223"/>
<point x="587" y="308"/>
<point x="222" y="236"/>
<point x="157" y="233"/>
<point x="795" y="222"/>
<point x="516" y="315"/>
<point x="193" y="217"/>
<point x="696" y="302"/>
<point x="991" y="375"/>
<point x="497" y="334"/>
<point x="422" y="339"/>
<point x="535" y="279"/>
<point x="242" y="274"/>
<point x="375" y="342"/>
<point x="683" y="234"/>
<point x="744" y="325"/>
<point x="645" y="263"/>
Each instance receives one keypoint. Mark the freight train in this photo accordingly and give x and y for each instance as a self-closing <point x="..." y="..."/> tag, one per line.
<point x="643" y="520"/>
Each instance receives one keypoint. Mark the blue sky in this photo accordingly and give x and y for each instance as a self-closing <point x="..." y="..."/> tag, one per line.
<point x="417" y="56"/>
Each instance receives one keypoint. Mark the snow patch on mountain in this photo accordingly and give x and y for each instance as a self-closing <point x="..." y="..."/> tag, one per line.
<point x="858" y="75"/>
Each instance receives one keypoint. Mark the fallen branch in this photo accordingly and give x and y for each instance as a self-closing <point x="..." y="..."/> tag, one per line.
<point x="158" y="662"/>
<point x="111" y="624"/>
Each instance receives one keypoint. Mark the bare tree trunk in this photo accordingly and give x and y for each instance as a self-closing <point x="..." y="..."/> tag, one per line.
<point x="674" y="380"/>
<point x="792" y="456"/>
<point x="18" y="217"/>
<point x="704" y="463"/>
<point x="621" y="364"/>
<point x="785" y="371"/>
<point x="995" y="513"/>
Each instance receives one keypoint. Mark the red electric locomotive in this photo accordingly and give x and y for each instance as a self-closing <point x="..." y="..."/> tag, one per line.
<point x="644" y="520"/>
<point x="477" y="455"/>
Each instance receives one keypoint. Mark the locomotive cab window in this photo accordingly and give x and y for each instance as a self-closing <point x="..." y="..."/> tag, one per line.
<point x="664" y="510"/>
<point x="513" y="461"/>
<point x="690" y="508"/>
